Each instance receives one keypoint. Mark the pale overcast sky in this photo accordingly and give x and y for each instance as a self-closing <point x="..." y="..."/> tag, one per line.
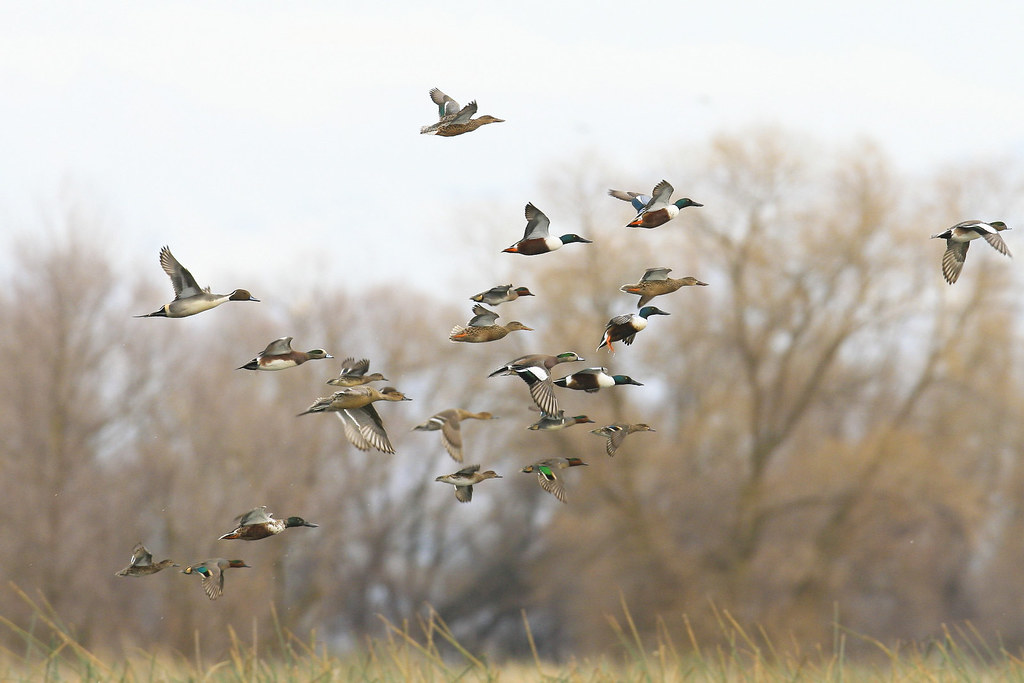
<point x="284" y="136"/>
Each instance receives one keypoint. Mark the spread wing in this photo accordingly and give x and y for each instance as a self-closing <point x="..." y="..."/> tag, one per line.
<point x="953" y="260"/>
<point x="140" y="557"/>
<point x="213" y="582"/>
<point x="364" y="429"/>
<point x="550" y="483"/>
<point x="445" y="104"/>
<point x="352" y="431"/>
<point x="537" y="224"/>
<point x="997" y="242"/>
<point x="483" y="317"/>
<point x="659" y="273"/>
<point x="182" y="281"/>
<point x="353" y="368"/>
<point x="278" y="347"/>
<point x="464" y="115"/>
<point x="255" y="516"/>
<point x="451" y="437"/>
<point x="660" y="197"/>
<point x="618" y="320"/>
<point x="541" y="388"/>
<point x="638" y="200"/>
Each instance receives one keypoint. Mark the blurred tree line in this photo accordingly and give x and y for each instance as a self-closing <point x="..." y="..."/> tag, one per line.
<point x="837" y="429"/>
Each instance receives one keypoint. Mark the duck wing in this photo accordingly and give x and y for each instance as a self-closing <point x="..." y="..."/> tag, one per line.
<point x="370" y="429"/>
<point x="464" y="114"/>
<point x="353" y="368"/>
<point x="213" y="583"/>
<point x="351" y="427"/>
<point x="445" y="104"/>
<point x="661" y="196"/>
<point x="483" y="317"/>
<point x="997" y="243"/>
<point x="638" y="200"/>
<point x="537" y="224"/>
<point x="542" y="390"/>
<point x="278" y="347"/>
<point x="659" y="273"/>
<point x="953" y="260"/>
<point x="616" y="435"/>
<point x="451" y="437"/>
<point x="550" y="483"/>
<point x="255" y="516"/>
<point x="140" y="556"/>
<point x="181" y="280"/>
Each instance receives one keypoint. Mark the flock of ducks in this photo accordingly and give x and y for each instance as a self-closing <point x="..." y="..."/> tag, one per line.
<point x="353" y="402"/>
<point x="252" y="526"/>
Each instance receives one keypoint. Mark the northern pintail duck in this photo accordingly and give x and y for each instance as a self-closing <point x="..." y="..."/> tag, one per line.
<point x="258" y="523"/>
<point x="958" y="239"/>
<point x="464" y="479"/>
<point x="546" y="477"/>
<point x="142" y="563"/>
<point x="656" y="282"/>
<point x="550" y="422"/>
<point x="624" y="327"/>
<point x="189" y="299"/>
<point x="536" y="239"/>
<point x="500" y="294"/>
<point x="453" y="119"/>
<point x="655" y="210"/>
<point x="353" y="397"/>
<point x="535" y="370"/>
<point x="354" y="407"/>
<point x="594" y="379"/>
<point x="212" y="572"/>
<point x="279" y="355"/>
<point x="451" y="433"/>
<point x="362" y="424"/>
<point x="353" y="374"/>
<point x="482" y="327"/>
<point x="617" y="433"/>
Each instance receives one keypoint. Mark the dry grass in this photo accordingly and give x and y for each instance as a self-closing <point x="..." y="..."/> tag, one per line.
<point x="430" y="652"/>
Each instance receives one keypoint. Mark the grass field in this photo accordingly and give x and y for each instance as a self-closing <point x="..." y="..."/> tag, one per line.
<point x="427" y="651"/>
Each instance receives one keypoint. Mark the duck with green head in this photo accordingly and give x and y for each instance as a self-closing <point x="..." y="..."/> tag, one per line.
<point x="594" y="379"/>
<point x="212" y="573"/>
<point x="624" y="327"/>
<point x="258" y="523"/>
<point x="552" y="422"/>
<point x="535" y="370"/>
<point x="537" y="238"/>
<point x="655" y="210"/>
<point x="279" y="355"/>
<point x="547" y="478"/>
